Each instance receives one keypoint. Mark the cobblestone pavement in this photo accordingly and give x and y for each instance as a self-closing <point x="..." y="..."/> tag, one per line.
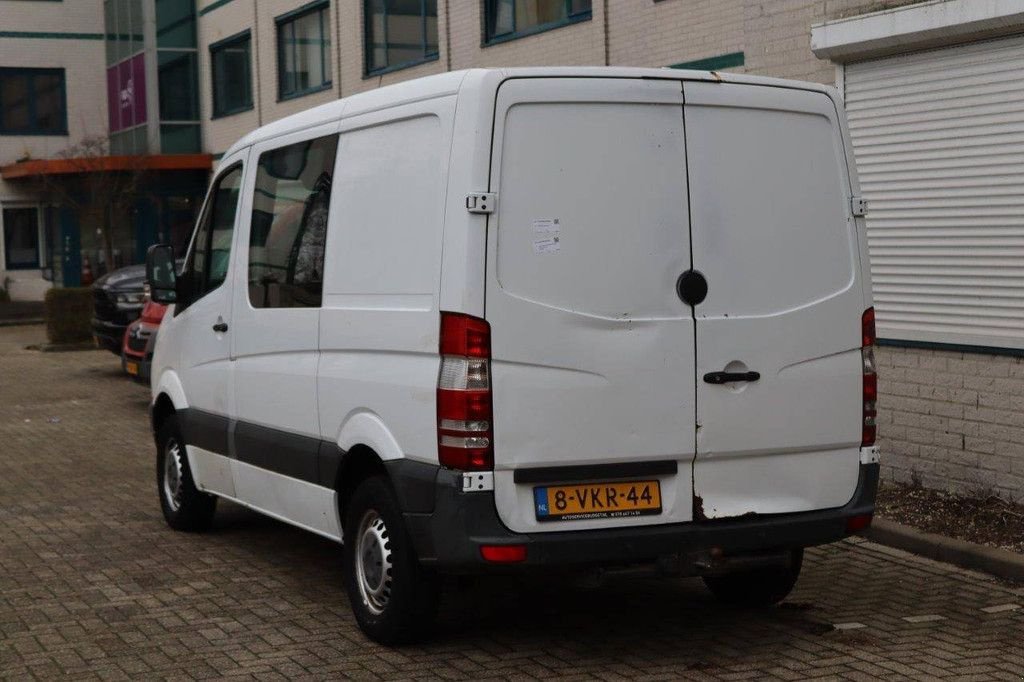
<point x="93" y="584"/>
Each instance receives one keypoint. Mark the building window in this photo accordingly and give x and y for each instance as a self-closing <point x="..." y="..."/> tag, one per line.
<point x="21" y="238"/>
<point x="33" y="102"/>
<point x="508" y="19"/>
<point x="303" y="51"/>
<point x="399" y="33"/>
<point x="231" y="75"/>
<point x="289" y="224"/>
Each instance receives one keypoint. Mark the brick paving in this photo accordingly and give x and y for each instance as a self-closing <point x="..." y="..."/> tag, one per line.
<point x="94" y="585"/>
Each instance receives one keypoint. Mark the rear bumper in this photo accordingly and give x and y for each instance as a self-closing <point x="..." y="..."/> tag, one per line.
<point x="449" y="537"/>
<point x="143" y="361"/>
<point x="109" y="335"/>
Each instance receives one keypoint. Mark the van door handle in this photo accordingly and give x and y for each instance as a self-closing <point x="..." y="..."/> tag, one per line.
<point x="728" y="377"/>
<point x="220" y="327"/>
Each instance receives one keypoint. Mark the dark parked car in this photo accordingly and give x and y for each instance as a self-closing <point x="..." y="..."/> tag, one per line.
<point x="118" y="298"/>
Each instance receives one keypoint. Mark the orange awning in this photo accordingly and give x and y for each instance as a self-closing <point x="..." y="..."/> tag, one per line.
<point x="105" y="164"/>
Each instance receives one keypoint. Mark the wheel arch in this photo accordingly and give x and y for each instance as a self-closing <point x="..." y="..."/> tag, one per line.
<point x="369" y="449"/>
<point x="168" y="398"/>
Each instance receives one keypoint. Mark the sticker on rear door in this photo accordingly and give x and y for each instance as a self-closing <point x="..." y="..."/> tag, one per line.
<point x="546" y="225"/>
<point x="547" y="245"/>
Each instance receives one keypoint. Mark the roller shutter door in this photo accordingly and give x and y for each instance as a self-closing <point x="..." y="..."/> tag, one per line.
<point x="939" y="141"/>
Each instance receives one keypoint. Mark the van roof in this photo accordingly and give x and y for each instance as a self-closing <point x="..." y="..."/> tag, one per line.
<point x="473" y="81"/>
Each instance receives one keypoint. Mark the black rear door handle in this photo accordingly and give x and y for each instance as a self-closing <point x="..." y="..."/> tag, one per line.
<point x="220" y="327"/>
<point x="728" y="377"/>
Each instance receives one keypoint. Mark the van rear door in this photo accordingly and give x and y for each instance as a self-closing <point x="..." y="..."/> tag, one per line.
<point x="592" y="349"/>
<point x="774" y="236"/>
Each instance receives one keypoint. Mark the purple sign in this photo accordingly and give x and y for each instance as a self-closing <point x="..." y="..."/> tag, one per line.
<point x="126" y="93"/>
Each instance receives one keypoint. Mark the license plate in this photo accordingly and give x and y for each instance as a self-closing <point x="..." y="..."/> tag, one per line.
<point x="132" y="368"/>
<point x="597" y="500"/>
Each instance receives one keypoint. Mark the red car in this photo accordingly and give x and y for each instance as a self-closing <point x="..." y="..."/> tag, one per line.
<point x="139" y="340"/>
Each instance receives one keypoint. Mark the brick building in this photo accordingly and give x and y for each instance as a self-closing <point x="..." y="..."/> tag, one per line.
<point x="935" y="95"/>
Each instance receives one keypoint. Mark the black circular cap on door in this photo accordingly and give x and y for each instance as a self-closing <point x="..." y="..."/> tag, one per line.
<point x="692" y="287"/>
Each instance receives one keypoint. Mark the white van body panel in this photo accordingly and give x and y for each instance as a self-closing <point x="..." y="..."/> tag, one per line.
<point x="211" y="472"/>
<point x="379" y="324"/>
<point x="363" y="428"/>
<point x="308" y="506"/>
<point x="166" y="381"/>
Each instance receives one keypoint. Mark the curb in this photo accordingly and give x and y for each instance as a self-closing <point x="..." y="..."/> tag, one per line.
<point x="999" y="562"/>
<point x="63" y="347"/>
<point x="22" y="322"/>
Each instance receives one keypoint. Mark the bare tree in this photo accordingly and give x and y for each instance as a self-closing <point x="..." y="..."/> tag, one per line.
<point x="92" y="180"/>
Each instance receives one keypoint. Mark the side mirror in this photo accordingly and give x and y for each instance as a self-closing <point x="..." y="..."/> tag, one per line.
<point x="161" y="274"/>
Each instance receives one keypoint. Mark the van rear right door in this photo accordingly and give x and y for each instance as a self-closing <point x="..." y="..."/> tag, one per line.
<point x="775" y="238"/>
<point x="593" y="351"/>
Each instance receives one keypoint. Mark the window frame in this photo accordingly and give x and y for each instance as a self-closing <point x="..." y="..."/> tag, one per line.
<point x="197" y="292"/>
<point x="39" y="237"/>
<point x="288" y="19"/>
<point x="488" y="10"/>
<point x="215" y="49"/>
<point x="369" y="46"/>
<point x="33" y="129"/>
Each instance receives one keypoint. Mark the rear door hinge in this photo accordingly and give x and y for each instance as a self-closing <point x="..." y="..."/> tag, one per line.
<point x="859" y="206"/>
<point x="481" y="202"/>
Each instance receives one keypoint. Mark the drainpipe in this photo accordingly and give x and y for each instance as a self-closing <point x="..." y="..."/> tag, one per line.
<point x="257" y="79"/>
<point x="607" y="47"/>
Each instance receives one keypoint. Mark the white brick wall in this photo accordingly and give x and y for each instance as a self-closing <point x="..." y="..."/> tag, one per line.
<point x="952" y="420"/>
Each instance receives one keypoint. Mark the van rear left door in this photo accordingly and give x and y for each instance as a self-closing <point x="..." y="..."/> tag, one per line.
<point x="593" y="355"/>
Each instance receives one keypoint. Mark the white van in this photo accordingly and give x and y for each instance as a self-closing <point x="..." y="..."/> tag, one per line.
<point x="530" y="318"/>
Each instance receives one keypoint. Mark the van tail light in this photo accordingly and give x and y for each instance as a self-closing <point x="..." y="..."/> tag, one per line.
<point x="464" y="423"/>
<point x="870" y="377"/>
<point x="503" y="554"/>
<point x="855" y="524"/>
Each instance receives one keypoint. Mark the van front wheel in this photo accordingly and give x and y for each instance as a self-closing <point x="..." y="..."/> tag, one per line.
<point x="185" y="507"/>
<point x="762" y="586"/>
<point x="393" y="598"/>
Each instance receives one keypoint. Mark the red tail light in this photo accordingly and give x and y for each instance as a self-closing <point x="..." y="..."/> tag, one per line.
<point x="503" y="554"/>
<point x="867" y="352"/>
<point x="464" y="423"/>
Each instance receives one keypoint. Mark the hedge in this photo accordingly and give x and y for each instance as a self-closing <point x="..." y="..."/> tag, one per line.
<point x="4" y="296"/>
<point x="68" y="315"/>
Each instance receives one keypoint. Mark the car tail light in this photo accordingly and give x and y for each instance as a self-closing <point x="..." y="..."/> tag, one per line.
<point x="464" y="429"/>
<point x="870" y="377"/>
<point x="503" y="554"/>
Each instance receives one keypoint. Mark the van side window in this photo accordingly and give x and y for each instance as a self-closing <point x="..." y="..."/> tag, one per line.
<point x="289" y="224"/>
<point x="207" y="265"/>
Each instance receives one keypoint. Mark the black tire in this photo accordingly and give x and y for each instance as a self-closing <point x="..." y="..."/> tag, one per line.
<point x="185" y="507"/>
<point x="759" y="587"/>
<point x="405" y="606"/>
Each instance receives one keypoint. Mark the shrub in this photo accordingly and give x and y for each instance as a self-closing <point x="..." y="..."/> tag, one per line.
<point x="68" y="315"/>
<point x="4" y="296"/>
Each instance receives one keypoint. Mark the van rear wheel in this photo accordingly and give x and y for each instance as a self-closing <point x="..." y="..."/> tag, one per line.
<point x="185" y="507"/>
<point x="393" y="598"/>
<point x="758" y="587"/>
